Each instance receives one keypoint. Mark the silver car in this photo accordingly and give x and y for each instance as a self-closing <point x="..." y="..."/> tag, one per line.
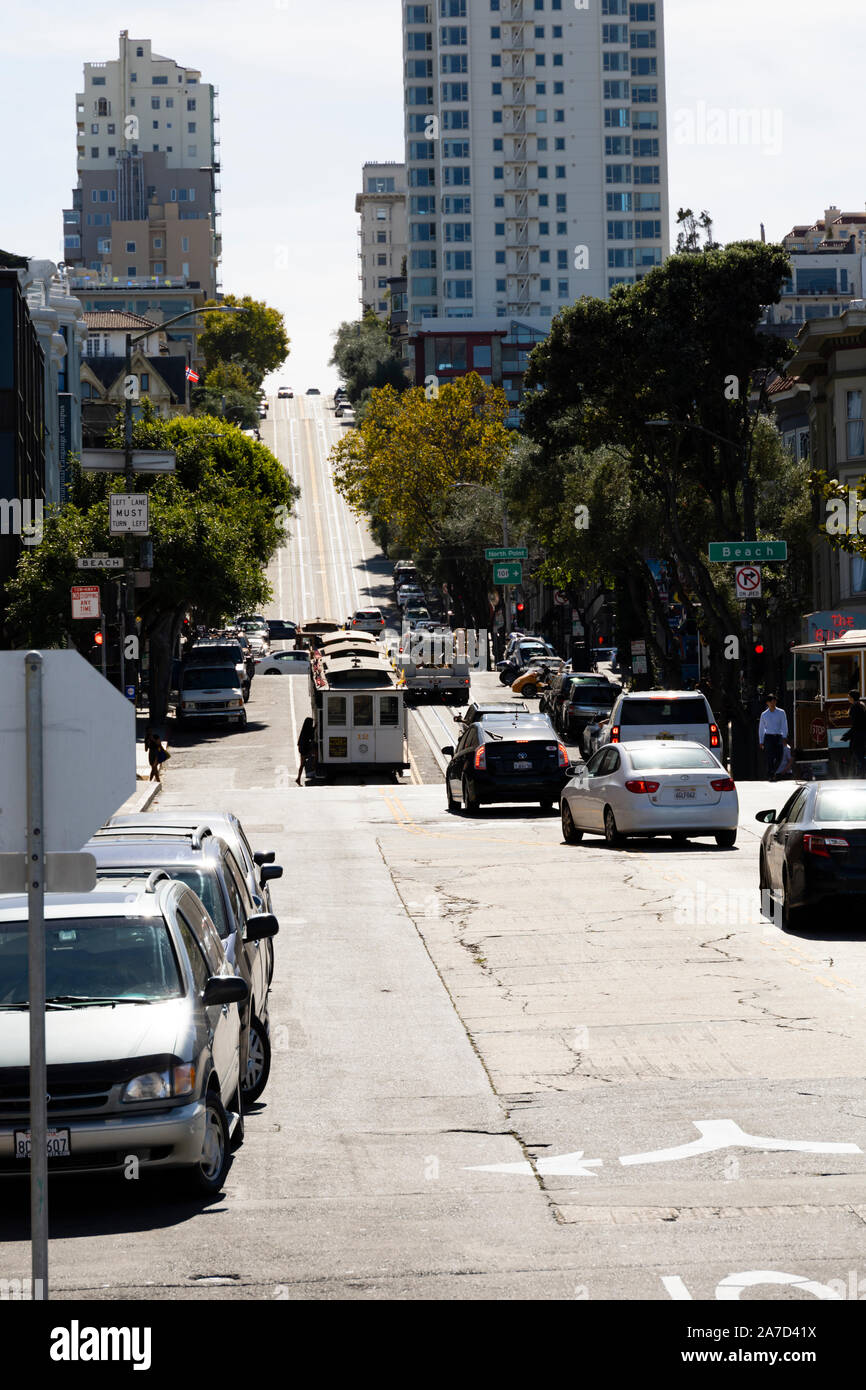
<point x="142" y="1033"/>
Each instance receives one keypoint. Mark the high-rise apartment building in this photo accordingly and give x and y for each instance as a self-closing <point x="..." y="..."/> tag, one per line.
<point x="382" y="233"/>
<point x="827" y="271"/>
<point x="145" y="209"/>
<point x="535" y="154"/>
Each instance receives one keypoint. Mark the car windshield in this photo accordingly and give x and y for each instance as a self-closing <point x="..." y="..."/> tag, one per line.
<point x="663" y="712"/>
<point x="594" y="694"/>
<point x="211" y="678"/>
<point x="841" y="805"/>
<point x="92" y="958"/>
<point x="368" y="613"/>
<point x="664" y="759"/>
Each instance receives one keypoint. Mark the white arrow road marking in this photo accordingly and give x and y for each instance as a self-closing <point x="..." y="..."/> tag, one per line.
<point x="723" y="1134"/>
<point x="564" y="1166"/>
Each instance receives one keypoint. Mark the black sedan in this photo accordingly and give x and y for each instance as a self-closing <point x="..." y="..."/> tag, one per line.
<point x="813" y="852"/>
<point x="515" y="757"/>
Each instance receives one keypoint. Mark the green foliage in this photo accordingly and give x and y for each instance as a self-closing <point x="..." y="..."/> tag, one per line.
<point x="367" y="359"/>
<point x="255" y="341"/>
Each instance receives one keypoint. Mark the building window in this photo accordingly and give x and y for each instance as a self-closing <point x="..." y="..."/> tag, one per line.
<point x="112" y="150"/>
<point x="154" y="103"/>
<point x="542" y="143"/>
<point x="131" y="270"/>
<point x="499" y="229"/>
<point x="458" y="260"/>
<point x="544" y="286"/>
<point x="544" y="257"/>
<point x="501" y="286"/>
<point x="855" y="424"/>
<point x="94" y="129"/>
<point x="544" y="229"/>
<point x="559" y="142"/>
<point x="98" y="81"/>
<point x="130" y="246"/>
<point x="144" y="381"/>
<point x="499" y="257"/>
<point x="616" y="117"/>
<point x="561" y="202"/>
<point x="190" y="103"/>
<point x="190" y="127"/>
<point x="157" y="243"/>
<point x="184" y="243"/>
<point x="382" y="259"/>
<point x="496" y="88"/>
<point x="158" y="267"/>
<point x="562" y="288"/>
<point x="559" y="171"/>
<point x="94" y="152"/>
<point x="139" y="53"/>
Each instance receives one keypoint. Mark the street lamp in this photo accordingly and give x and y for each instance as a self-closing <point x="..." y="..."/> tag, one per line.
<point x="130" y="393"/>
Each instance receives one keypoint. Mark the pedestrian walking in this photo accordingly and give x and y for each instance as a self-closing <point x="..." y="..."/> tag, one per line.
<point x="156" y="754"/>
<point x="306" y="744"/>
<point x="772" y="732"/>
<point x="855" y="737"/>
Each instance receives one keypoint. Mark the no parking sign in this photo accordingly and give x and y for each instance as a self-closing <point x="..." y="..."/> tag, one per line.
<point x="748" y="581"/>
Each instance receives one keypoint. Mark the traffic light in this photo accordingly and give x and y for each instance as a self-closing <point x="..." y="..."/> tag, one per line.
<point x="759" y="649"/>
<point x="519" y="609"/>
<point x="98" y="639"/>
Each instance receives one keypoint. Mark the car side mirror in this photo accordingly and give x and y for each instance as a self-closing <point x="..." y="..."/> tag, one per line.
<point x="448" y="750"/>
<point x="260" y="925"/>
<point x="225" y="989"/>
<point x="270" y="871"/>
<point x="264" y="856"/>
<point x="766" y="817"/>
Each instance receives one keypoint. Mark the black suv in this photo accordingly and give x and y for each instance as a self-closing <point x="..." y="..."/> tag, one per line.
<point x="583" y="698"/>
<point x="505" y="756"/>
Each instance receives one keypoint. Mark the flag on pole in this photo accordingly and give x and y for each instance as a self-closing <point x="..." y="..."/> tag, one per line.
<point x="191" y="375"/>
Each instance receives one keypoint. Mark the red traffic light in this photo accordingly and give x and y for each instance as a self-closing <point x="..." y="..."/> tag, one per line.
<point x="98" y="638"/>
<point x="520" y="607"/>
<point x="759" y="649"/>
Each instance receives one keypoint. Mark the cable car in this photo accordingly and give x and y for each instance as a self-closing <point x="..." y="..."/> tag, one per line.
<point x="358" y="706"/>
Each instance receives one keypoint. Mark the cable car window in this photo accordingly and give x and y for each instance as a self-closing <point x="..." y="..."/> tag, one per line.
<point x="843" y="674"/>
<point x="336" y="709"/>
<point x="363" y="711"/>
<point x="389" y="711"/>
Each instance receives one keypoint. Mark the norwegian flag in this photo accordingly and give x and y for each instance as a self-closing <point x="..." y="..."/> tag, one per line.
<point x="191" y="375"/>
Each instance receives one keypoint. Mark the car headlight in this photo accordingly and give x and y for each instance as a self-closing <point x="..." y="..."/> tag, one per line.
<point x="235" y="704"/>
<point x="161" y="1085"/>
<point x="187" y="704"/>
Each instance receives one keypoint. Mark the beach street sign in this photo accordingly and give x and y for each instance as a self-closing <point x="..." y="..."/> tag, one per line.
<point x="744" y="552"/>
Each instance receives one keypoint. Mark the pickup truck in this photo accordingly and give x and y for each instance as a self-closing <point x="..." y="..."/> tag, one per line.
<point x="432" y="665"/>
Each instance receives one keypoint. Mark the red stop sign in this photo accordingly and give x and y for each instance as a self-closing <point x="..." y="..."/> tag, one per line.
<point x="818" y="730"/>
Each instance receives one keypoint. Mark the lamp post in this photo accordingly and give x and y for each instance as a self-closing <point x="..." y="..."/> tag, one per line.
<point x="126" y="603"/>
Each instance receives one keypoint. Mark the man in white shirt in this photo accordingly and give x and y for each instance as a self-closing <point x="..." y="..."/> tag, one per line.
<point x="772" y="732"/>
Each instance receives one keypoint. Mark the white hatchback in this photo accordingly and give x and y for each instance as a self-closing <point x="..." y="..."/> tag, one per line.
<point x="678" y="789"/>
<point x="291" y="663"/>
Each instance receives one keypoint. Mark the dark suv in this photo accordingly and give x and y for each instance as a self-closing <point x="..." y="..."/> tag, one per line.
<point x="206" y="864"/>
<point x="223" y="652"/>
<point x="506" y="757"/>
<point x="586" y="698"/>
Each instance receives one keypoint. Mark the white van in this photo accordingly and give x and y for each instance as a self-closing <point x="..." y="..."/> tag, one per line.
<point x="210" y="692"/>
<point x="664" y="715"/>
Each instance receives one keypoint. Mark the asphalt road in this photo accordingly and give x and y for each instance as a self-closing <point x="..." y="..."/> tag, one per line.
<point x="503" y="1067"/>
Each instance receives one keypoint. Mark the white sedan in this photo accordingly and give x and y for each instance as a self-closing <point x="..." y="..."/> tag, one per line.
<point x="646" y="788"/>
<point x="293" y="663"/>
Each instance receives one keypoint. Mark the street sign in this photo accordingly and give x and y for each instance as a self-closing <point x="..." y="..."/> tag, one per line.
<point x="514" y="552"/>
<point x="89" y="751"/>
<point x="728" y="552"/>
<point x="638" y="665"/>
<point x="128" y="514"/>
<point x="129" y="691"/>
<point x="85" y="601"/>
<point x="99" y="562"/>
<point x="114" y="461"/>
<point x="508" y="574"/>
<point x="747" y="579"/>
<point x="638" y="647"/>
<point x="560" y="599"/>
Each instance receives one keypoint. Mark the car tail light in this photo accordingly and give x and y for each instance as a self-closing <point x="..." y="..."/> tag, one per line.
<point x="480" y="759"/>
<point x="723" y="784"/>
<point x="562" y="755"/>
<point x="640" y="785"/>
<point x="715" y="737"/>
<point x="821" y="845"/>
<point x="614" y="734"/>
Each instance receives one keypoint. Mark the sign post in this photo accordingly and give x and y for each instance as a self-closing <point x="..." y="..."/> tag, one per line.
<point x="36" y="978"/>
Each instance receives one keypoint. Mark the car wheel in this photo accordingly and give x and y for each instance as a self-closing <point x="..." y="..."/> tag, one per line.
<point x="548" y="807"/>
<point x="529" y="691"/>
<point x="792" y="917"/>
<point x="611" y="834"/>
<point x="570" y="833"/>
<point x="450" y="803"/>
<point x="258" y="1062"/>
<point x="207" y="1176"/>
<point x="765" y="898"/>
<point x="726" y="839"/>
<point x="242" y="720"/>
<point x="470" y="797"/>
<point x="679" y="837"/>
<point x="271" y="671"/>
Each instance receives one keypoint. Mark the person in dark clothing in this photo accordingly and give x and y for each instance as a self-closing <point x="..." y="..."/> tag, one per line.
<point x="306" y="744"/>
<point x="856" y="734"/>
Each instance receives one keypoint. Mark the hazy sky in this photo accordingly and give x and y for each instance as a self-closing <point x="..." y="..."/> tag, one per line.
<point x="308" y="92"/>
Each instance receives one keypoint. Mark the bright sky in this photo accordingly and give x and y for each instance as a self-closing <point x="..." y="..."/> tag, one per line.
<point x="308" y="92"/>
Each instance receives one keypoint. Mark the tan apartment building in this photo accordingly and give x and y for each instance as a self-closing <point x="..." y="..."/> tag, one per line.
<point x="827" y="270"/>
<point x="148" y="173"/>
<point x="382" y="233"/>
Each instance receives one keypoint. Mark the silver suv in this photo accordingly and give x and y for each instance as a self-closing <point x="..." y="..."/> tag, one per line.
<point x="142" y="1033"/>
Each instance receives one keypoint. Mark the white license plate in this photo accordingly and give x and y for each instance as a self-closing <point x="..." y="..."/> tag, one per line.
<point x="57" y="1143"/>
<point x="685" y="794"/>
<point x="523" y="767"/>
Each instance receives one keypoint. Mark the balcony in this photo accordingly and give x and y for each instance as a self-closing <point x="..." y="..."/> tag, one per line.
<point x="516" y="11"/>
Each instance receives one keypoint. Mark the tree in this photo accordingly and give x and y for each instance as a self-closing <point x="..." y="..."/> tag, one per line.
<point x="367" y="359"/>
<point x="227" y="392"/>
<point x="215" y="523"/>
<point x="688" y="238"/>
<point x="255" y="341"/>
<point x="682" y="347"/>
<point x="403" y="466"/>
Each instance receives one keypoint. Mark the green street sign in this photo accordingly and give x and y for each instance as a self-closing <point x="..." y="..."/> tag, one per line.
<point x="513" y="552"/>
<point x="508" y="574"/>
<point x="731" y="552"/>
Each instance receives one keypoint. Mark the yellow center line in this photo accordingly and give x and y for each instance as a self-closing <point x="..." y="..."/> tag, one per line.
<point x="330" y="610"/>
